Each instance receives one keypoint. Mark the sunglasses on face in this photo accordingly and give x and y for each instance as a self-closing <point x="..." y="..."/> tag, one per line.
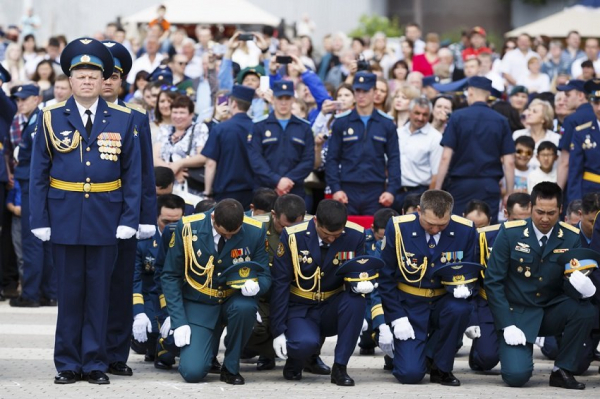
<point x="525" y="152"/>
<point x="168" y="88"/>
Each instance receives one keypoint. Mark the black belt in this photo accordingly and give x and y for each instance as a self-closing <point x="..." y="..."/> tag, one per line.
<point x="405" y="189"/>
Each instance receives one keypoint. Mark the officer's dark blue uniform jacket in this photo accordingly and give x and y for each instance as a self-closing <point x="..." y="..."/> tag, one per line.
<point x="25" y="147"/>
<point x="285" y="305"/>
<point x="78" y="218"/>
<point x="358" y="155"/>
<point x="145" y="299"/>
<point x="584" y="157"/>
<point x="277" y="153"/>
<point x="159" y="263"/>
<point x="583" y="114"/>
<point x="487" y="236"/>
<point x="8" y="109"/>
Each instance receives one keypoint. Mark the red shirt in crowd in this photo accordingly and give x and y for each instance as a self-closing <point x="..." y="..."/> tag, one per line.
<point x="421" y="64"/>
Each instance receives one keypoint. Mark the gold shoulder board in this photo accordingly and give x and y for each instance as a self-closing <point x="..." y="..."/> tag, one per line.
<point x="297" y="228"/>
<point x="485" y="229"/>
<point x="354" y="226"/>
<point x="54" y="106"/>
<point x="569" y="227"/>
<point x="405" y="218"/>
<point x="515" y="223"/>
<point x="462" y="220"/>
<point x="253" y="222"/>
<point x="308" y="217"/>
<point x="118" y="107"/>
<point x="584" y="126"/>
<point x="261" y="218"/>
<point x="136" y="107"/>
<point x="193" y="218"/>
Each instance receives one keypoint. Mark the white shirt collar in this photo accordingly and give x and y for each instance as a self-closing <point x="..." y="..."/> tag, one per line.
<point x="81" y="110"/>
<point x="436" y="237"/>
<point x="539" y="234"/>
<point x="216" y="236"/>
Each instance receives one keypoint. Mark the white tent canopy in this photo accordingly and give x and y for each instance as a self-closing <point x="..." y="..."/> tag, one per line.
<point x="585" y="20"/>
<point x="226" y="12"/>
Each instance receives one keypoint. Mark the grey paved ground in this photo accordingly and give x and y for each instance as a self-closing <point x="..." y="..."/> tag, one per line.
<point x="27" y="370"/>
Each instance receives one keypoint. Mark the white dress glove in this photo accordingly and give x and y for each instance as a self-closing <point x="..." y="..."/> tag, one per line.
<point x="365" y="326"/>
<point x="145" y="231"/>
<point x="386" y="340"/>
<point x="461" y="292"/>
<point x="280" y="346"/>
<point x="165" y="328"/>
<point x="403" y="330"/>
<point x="125" y="232"/>
<point x="539" y="341"/>
<point x="514" y="336"/>
<point x="363" y="287"/>
<point x="582" y="284"/>
<point x="258" y="318"/>
<point x="473" y="332"/>
<point x="182" y="336"/>
<point x="250" y="288"/>
<point x="141" y="324"/>
<point x="43" y="233"/>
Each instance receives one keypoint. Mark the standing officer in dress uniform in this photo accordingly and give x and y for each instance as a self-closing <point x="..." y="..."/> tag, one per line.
<point x="529" y="295"/>
<point x="38" y="284"/>
<point x="204" y="246"/>
<point x="228" y="172"/>
<point x="584" y="157"/>
<point x="282" y="146"/>
<point x="85" y="187"/>
<point x="121" y="284"/>
<point x="363" y="159"/>
<point x="477" y="144"/>
<point x="426" y="320"/>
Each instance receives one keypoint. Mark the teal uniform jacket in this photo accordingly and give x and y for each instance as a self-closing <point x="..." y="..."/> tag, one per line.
<point x="521" y="281"/>
<point x="179" y="291"/>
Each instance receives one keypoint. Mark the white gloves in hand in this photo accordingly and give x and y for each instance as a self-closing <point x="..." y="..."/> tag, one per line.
<point x="582" y="284"/>
<point x="145" y="231"/>
<point x="386" y="340"/>
<point x="539" y="341"/>
<point x="363" y="287"/>
<point x="141" y="324"/>
<point x="165" y="328"/>
<point x="182" y="336"/>
<point x="125" y="232"/>
<point x="403" y="330"/>
<point x="258" y="318"/>
<point x="473" y="332"/>
<point x="250" y="288"/>
<point x="280" y="346"/>
<point x="365" y="326"/>
<point x="514" y="336"/>
<point x="461" y="291"/>
<point x="43" y="233"/>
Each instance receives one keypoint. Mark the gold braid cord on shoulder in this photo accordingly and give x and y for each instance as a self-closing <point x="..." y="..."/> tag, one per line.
<point x="484" y="252"/>
<point x="57" y="143"/>
<point x="401" y="250"/>
<point x="316" y="276"/>
<point x="192" y="264"/>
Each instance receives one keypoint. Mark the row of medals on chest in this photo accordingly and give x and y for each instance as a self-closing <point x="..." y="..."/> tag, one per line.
<point x="451" y="257"/>
<point x="306" y="258"/>
<point x="235" y="258"/>
<point x="109" y="149"/>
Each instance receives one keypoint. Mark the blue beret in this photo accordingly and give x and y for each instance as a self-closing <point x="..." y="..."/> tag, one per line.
<point x="163" y="74"/>
<point x="430" y="81"/>
<point x="25" y="91"/>
<point x="573" y="84"/>
<point x="479" y="82"/>
<point x="364" y="81"/>
<point x="579" y="259"/>
<point x="283" y="88"/>
<point x="4" y="74"/>
<point x="89" y="53"/>
<point x="121" y="56"/>
<point x="592" y="87"/>
<point x="243" y="93"/>
<point x="458" y="273"/>
<point x="236" y="275"/>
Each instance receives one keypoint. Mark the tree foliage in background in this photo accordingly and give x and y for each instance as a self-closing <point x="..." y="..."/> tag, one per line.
<point x="370" y="24"/>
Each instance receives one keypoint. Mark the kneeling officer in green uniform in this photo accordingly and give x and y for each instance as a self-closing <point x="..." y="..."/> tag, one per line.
<point x="202" y="296"/>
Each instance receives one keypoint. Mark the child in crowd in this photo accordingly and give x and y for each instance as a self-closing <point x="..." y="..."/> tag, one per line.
<point x="547" y="154"/>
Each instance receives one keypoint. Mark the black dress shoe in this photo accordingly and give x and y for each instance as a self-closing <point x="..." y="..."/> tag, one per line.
<point x="149" y="358"/>
<point x="48" y="302"/>
<point x="441" y="377"/>
<point x="265" y="363"/>
<point x="367" y="351"/>
<point x="2" y="297"/>
<point x="233" y="379"/>
<point x="215" y="367"/>
<point x="96" y="377"/>
<point x="67" y="377"/>
<point x="161" y="365"/>
<point x="388" y="363"/>
<point x="315" y="365"/>
<point x="564" y="379"/>
<point x="340" y="377"/>
<point x="20" y="302"/>
<point x="120" y="368"/>
<point x="290" y="372"/>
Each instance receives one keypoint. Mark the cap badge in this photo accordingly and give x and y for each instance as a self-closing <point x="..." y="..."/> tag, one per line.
<point x="362" y="261"/>
<point x="361" y="79"/>
<point x="85" y="58"/>
<point x="85" y="41"/>
<point x="284" y="87"/>
<point x="109" y="44"/>
<point x="244" y="272"/>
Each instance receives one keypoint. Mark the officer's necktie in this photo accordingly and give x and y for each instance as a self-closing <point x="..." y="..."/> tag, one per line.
<point x="221" y="244"/>
<point x="431" y="245"/>
<point x="88" y="124"/>
<point x="324" y="249"/>
<point x="544" y="240"/>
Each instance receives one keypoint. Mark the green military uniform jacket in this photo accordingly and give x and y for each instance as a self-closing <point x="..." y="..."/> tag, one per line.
<point x="521" y="281"/>
<point x="190" y="299"/>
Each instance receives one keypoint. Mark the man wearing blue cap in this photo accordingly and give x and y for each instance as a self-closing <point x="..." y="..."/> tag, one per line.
<point x="121" y="285"/>
<point x="38" y="282"/>
<point x="584" y="157"/>
<point x="282" y="145"/>
<point x="228" y="171"/>
<point x="529" y="296"/>
<point x="478" y="151"/>
<point x="363" y="160"/>
<point x="85" y="187"/>
<point x="582" y="114"/>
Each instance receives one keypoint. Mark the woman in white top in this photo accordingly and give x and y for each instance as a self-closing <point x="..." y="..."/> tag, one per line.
<point x="534" y="80"/>
<point x="539" y="118"/>
<point x="15" y="65"/>
<point x="400" y="102"/>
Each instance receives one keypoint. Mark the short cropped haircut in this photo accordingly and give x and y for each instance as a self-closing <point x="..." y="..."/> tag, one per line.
<point x="438" y="201"/>
<point x="478" y="206"/>
<point x="574" y="207"/>
<point x="546" y="190"/>
<point x="170" y="201"/>
<point x="526" y="141"/>
<point x="547" y="145"/>
<point x="205" y="205"/>
<point x="382" y="217"/>
<point x="229" y="214"/>
<point x="264" y="199"/>
<point x="332" y="215"/>
<point x="290" y="205"/>
<point x="522" y="199"/>
<point x="163" y="176"/>
<point x="411" y="201"/>
<point x="590" y="203"/>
